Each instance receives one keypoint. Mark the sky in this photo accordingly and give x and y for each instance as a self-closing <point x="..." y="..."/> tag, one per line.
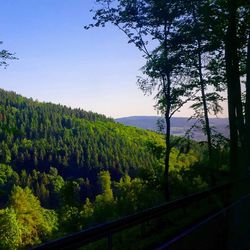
<point x="61" y="62"/>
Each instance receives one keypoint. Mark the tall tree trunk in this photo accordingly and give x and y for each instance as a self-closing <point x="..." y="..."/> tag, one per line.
<point x="236" y="121"/>
<point x="167" y="136"/>
<point x="230" y="48"/>
<point x="204" y="101"/>
<point x="247" y="110"/>
<point x="167" y="95"/>
<point x="203" y="95"/>
<point x="238" y="94"/>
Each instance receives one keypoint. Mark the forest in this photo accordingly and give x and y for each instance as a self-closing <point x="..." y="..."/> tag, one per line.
<point x="70" y="169"/>
<point x="63" y="170"/>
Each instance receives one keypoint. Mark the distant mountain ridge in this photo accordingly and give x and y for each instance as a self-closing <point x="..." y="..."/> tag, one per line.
<point x="179" y="124"/>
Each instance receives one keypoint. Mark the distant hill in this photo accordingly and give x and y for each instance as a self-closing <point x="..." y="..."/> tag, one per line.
<point x="179" y="125"/>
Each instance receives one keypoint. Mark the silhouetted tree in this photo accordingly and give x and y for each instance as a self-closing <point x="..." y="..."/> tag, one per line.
<point x="152" y="27"/>
<point x="237" y="31"/>
<point x="5" y="55"/>
<point x="200" y="47"/>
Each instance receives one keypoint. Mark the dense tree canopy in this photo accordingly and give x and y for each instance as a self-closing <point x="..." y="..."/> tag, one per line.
<point x="38" y="135"/>
<point x="62" y="170"/>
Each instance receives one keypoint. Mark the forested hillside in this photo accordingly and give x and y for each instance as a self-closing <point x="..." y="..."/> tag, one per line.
<point x="62" y="170"/>
<point x="41" y="135"/>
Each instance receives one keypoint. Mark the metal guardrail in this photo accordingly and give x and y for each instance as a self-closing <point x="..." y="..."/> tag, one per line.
<point x="79" y="239"/>
<point x="176" y="242"/>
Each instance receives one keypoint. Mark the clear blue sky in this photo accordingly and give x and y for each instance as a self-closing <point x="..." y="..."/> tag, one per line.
<point x="61" y="62"/>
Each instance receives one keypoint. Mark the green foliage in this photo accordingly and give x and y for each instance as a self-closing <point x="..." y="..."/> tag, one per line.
<point x="35" y="222"/>
<point x="125" y="193"/>
<point x="180" y="161"/>
<point x="10" y="231"/>
<point x="105" y="183"/>
<point x="5" y="154"/>
<point x="42" y="135"/>
<point x="87" y="213"/>
<point x="50" y="224"/>
<point x="7" y="175"/>
<point x="71" y="193"/>
<point x="70" y="219"/>
<point x="58" y="157"/>
<point x="104" y="202"/>
<point x="135" y="195"/>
